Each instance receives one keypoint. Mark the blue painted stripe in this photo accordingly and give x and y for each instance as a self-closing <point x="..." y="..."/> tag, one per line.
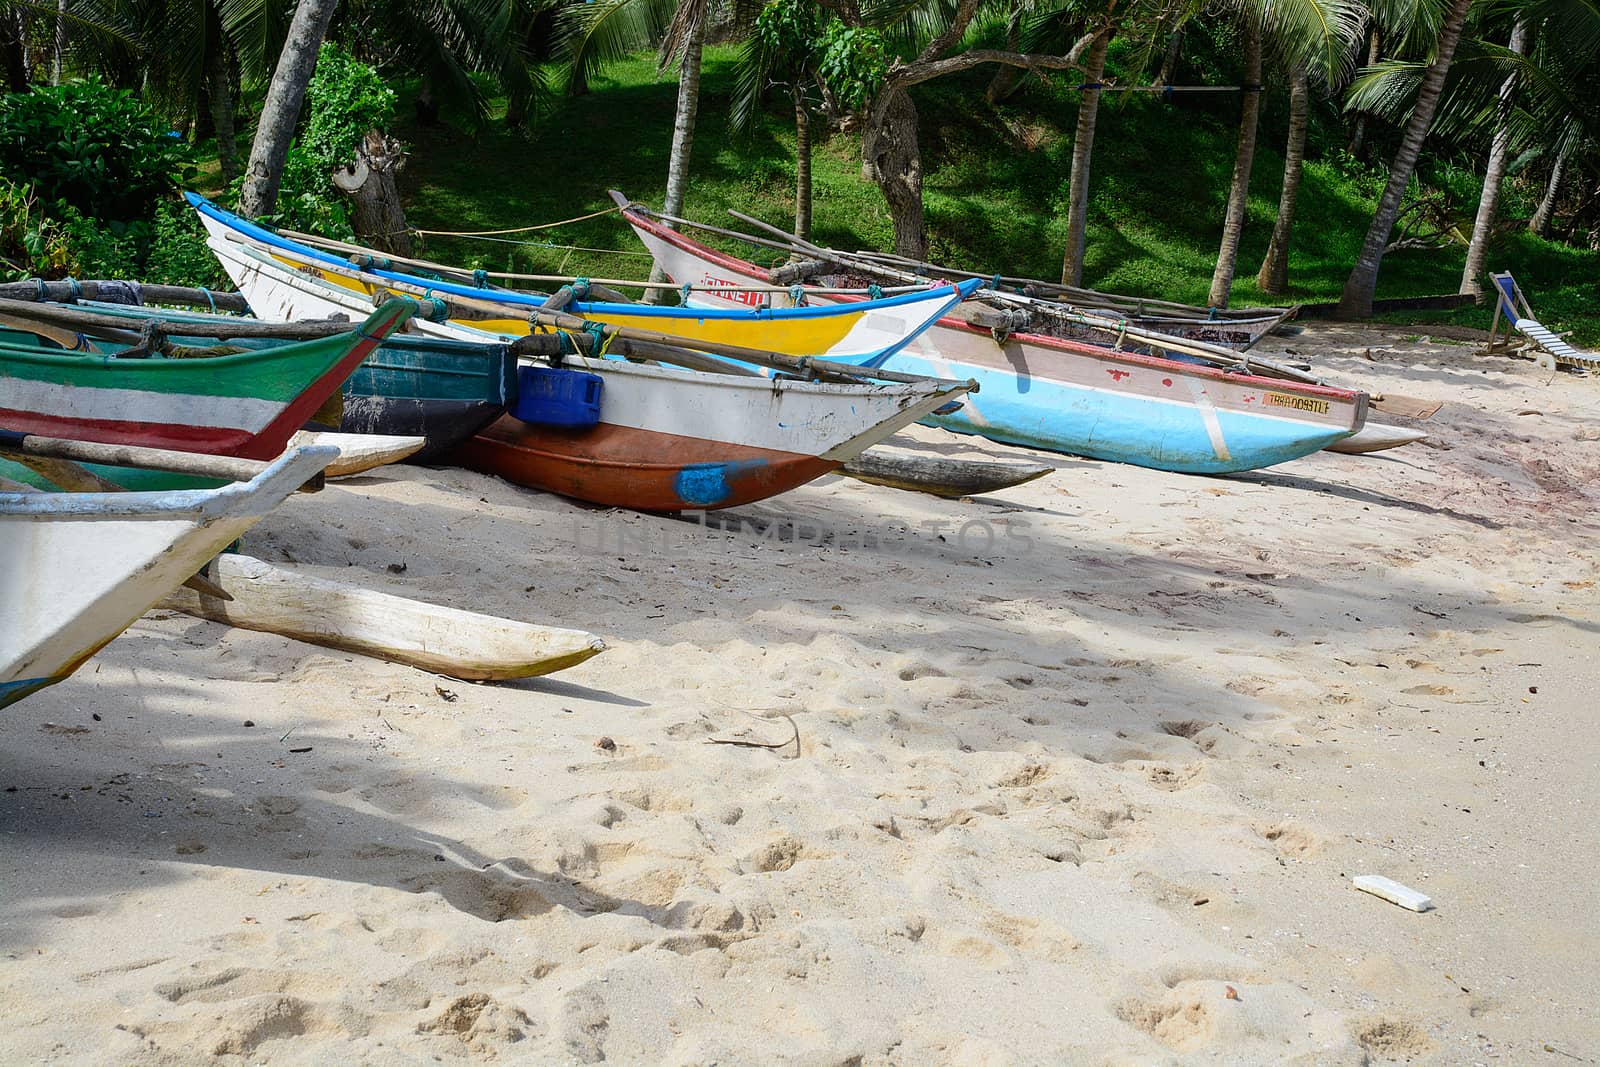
<point x="502" y="296"/>
<point x="11" y="692"/>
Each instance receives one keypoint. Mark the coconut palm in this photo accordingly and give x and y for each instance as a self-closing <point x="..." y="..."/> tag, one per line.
<point x="1312" y="37"/>
<point x="1554" y="101"/>
<point x="280" y="112"/>
<point x="1362" y="285"/>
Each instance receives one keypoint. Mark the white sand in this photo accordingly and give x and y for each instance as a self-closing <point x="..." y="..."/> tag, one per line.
<point x="1051" y="805"/>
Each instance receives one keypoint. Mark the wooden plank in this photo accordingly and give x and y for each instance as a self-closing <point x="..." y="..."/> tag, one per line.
<point x="23" y="446"/>
<point x="448" y="641"/>
<point x="359" y="452"/>
<point x="948" y="478"/>
<point x="1376" y="437"/>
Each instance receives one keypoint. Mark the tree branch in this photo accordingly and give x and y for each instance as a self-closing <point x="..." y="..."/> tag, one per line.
<point x="926" y="70"/>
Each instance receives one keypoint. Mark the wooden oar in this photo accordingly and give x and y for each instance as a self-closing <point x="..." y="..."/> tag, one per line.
<point x="226" y="468"/>
<point x="460" y="644"/>
<point x="86" y="320"/>
<point x="57" y="292"/>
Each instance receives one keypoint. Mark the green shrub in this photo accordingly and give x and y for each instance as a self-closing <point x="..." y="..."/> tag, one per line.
<point x="345" y="99"/>
<point x="95" y="148"/>
<point x="178" y="252"/>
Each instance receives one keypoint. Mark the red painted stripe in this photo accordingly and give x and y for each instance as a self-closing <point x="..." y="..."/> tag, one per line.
<point x="209" y="439"/>
<point x="620" y="466"/>
<point x="275" y="437"/>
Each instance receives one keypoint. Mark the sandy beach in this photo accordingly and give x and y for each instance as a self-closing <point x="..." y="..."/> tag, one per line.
<point x="1084" y="771"/>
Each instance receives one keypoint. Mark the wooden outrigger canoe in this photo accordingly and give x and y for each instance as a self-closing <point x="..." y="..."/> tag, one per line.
<point x="411" y="386"/>
<point x="246" y="403"/>
<point x="666" y="439"/>
<point x="861" y="332"/>
<point x="1050" y="309"/>
<point x="1066" y="396"/>
<point x="77" y="569"/>
<point x="448" y="641"/>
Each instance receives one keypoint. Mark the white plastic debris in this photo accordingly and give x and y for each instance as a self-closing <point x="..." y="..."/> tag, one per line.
<point x="1392" y="891"/>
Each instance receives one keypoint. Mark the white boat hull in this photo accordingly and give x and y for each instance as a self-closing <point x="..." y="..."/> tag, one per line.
<point x="76" y="569"/>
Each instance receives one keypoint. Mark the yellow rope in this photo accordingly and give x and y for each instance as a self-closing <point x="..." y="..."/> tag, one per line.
<point x="518" y="229"/>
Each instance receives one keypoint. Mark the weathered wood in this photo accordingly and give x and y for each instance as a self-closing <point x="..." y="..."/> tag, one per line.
<point x="948" y="478"/>
<point x="359" y="452"/>
<point x="150" y="294"/>
<point x="24" y="446"/>
<point x="375" y="211"/>
<point x="85" y="320"/>
<point x="1405" y="407"/>
<point x="460" y="644"/>
<point x="1376" y="437"/>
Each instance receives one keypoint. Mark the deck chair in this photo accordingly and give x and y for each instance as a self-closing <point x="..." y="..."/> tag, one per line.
<point x="1511" y="308"/>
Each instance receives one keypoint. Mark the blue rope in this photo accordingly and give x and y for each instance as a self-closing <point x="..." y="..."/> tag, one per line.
<point x="480" y="278"/>
<point x="685" y="291"/>
<point x="797" y="295"/>
<point x="44" y="292"/>
<point x="580" y="288"/>
<point x="875" y="291"/>
<point x="994" y="283"/>
<point x="75" y="288"/>
<point x="210" y="301"/>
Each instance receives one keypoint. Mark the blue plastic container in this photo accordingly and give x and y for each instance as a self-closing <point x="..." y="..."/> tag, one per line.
<point x="557" y="396"/>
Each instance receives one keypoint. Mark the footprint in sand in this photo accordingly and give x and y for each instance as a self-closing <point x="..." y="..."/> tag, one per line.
<point x="1390" y="1038"/>
<point x="1181" y="1020"/>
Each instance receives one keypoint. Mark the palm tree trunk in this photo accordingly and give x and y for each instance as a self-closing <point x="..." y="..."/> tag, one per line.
<point x="802" y="164"/>
<point x="1540" y="223"/>
<point x="1274" y="275"/>
<point x="1494" y="175"/>
<point x="61" y="41"/>
<point x="1082" y="149"/>
<point x="682" y="140"/>
<point x="1243" y="160"/>
<point x="1362" y="285"/>
<point x="683" y="124"/>
<point x="219" y="89"/>
<point x="281" y="111"/>
<point x="1169" y="62"/>
<point x="1359" y="137"/>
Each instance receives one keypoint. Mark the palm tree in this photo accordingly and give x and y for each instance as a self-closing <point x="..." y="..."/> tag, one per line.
<point x="1494" y="173"/>
<point x="783" y="48"/>
<point x="1243" y="158"/>
<point x="281" y="111"/>
<point x="1362" y="285"/>
<point x="1314" y="36"/>
<point x="1274" y="274"/>
<point x="1082" y="148"/>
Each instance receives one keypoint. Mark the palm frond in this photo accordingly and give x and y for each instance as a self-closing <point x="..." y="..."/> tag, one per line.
<point x="592" y="34"/>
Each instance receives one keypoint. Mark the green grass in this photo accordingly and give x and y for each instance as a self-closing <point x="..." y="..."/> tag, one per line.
<point x="995" y="188"/>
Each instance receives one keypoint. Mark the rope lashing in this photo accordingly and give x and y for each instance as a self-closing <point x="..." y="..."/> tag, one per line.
<point x="209" y="301"/>
<point x="480" y="278"/>
<point x="434" y="309"/>
<point x="875" y="291"/>
<point x="74" y="288"/>
<point x="797" y="295"/>
<point x="685" y="291"/>
<point x="44" y="291"/>
<point x="581" y="288"/>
